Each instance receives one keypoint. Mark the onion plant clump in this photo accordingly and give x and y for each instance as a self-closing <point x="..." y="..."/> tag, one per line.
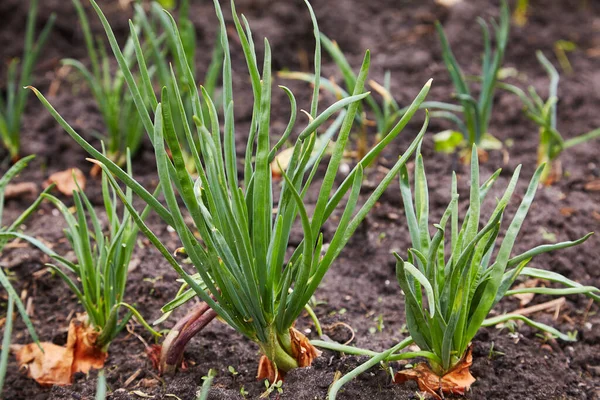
<point x="476" y="112"/>
<point x="238" y="235"/>
<point x="453" y="279"/>
<point x="124" y="129"/>
<point x="13" y="105"/>
<point x="103" y="258"/>
<point x="544" y="114"/>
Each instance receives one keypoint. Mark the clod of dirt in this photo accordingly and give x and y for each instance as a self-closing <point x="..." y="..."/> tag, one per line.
<point x="57" y="365"/>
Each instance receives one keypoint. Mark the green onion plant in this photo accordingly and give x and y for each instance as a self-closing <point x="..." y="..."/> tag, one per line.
<point x="13" y="105"/>
<point x="103" y="257"/>
<point x="544" y="115"/>
<point x="238" y="233"/>
<point x="124" y="129"/>
<point x="473" y="127"/>
<point x="452" y="280"/>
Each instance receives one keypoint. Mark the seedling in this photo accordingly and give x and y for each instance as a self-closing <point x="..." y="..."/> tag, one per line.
<point x="451" y="284"/>
<point x="494" y="353"/>
<point x="544" y="114"/>
<point x="103" y="258"/>
<point x="12" y="107"/>
<point x="474" y="125"/>
<point x="241" y="257"/>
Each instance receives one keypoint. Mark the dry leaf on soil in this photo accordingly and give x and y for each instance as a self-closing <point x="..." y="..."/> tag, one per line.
<point x="64" y="180"/>
<point x="457" y="381"/>
<point x="57" y="364"/>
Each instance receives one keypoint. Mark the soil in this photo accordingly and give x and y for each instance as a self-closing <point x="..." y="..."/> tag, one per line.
<point x="361" y="290"/>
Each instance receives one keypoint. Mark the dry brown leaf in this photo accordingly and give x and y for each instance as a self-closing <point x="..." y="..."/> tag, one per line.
<point x="64" y="180"/>
<point x="267" y="370"/>
<point x="302" y="350"/>
<point x="457" y="381"/>
<point x="56" y="365"/>
<point x="52" y="367"/>
<point x="86" y="354"/>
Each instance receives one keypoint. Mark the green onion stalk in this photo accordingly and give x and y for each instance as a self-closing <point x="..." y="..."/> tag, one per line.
<point x="238" y="233"/>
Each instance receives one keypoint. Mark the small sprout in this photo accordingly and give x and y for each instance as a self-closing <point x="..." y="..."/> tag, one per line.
<point x="232" y="371"/>
<point x="244" y="392"/>
<point x="421" y="395"/>
<point x="380" y="324"/>
<point x="272" y="387"/>
<point x="493" y="353"/>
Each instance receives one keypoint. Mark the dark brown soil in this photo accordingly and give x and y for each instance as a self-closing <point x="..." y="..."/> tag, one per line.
<point x="360" y="290"/>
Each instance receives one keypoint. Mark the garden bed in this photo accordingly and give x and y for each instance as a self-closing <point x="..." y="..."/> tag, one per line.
<point x="362" y="291"/>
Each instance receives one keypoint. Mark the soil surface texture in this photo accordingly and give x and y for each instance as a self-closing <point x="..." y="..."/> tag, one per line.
<point x="359" y="297"/>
